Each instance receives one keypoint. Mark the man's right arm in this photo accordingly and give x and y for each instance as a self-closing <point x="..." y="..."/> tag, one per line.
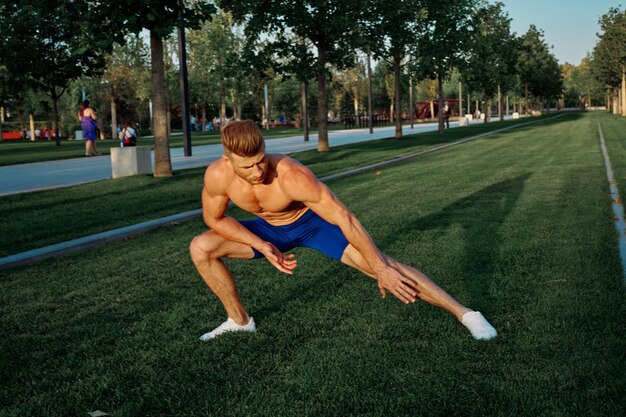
<point x="214" y="205"/>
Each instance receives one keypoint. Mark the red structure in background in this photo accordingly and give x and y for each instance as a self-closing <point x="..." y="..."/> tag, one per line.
<point x="422" y="108"/>
<point x="11" y="136"/>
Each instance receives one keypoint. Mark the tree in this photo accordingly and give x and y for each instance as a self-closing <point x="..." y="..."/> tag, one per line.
<point x="609" y="54"/>
<point x="580" y="88"/>
<point x="537" y="67"/>
<point x="442" y="46"/>
<point x="491" y="62"/>
<point x="160" y="18"/>
<point x="126" y="78"/>
<point x="330" y="26"/>
<point x="353" y="82"/>
<point x="393" y="29"/>
<point x="215" y="68"/>
<point x="47" y="57"/>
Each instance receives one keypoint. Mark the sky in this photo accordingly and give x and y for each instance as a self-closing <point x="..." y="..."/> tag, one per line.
<point x="569" y="26"/>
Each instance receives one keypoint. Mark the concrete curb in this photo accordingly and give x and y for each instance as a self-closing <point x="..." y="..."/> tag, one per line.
<point x="34" y="255"/>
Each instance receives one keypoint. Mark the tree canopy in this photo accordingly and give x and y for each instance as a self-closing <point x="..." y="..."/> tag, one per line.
<point x="491" y="59"/>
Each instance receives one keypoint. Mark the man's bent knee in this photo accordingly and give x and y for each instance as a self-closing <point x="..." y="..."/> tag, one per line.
<point x="210" y="245"/>
<point x="205" y="246"/>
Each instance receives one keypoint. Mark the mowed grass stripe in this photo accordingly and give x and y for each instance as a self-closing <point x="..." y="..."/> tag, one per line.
<point x="516" y="226"/>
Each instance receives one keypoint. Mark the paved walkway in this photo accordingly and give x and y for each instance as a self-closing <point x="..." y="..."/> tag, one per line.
<point x="37" y="176"/>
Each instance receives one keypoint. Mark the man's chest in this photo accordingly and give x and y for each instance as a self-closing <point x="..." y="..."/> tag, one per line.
<point x="259" y="199"/>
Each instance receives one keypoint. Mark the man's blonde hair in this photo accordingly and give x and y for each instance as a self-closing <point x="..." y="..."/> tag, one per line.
<point x="242" y="138"/>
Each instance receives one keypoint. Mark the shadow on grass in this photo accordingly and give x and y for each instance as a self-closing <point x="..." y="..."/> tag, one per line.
<point x="480" y="216"/>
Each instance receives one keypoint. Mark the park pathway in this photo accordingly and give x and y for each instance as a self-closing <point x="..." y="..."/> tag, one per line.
<point x="38" y="176"/>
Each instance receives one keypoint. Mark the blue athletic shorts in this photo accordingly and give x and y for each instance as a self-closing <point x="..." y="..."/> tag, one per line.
<point x="309" y="231"/>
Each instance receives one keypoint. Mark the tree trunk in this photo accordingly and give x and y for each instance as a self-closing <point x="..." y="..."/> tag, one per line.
<point x="162" y="161"/>
<point x="204" y="121"/>
<point x="322" y="141"/>
<point x="460" y="100"/>
<point x="487" y="108"/>
<point x="31" y="120"/>
<point x="264" y="120"/>
<point x="432" y="109"/>
<point x="55" y="110"/>
<point x="397" y="95"/>
<point x="222" y="104"/>
<point x="1" y="123"/>
<point x="526" y="99"/>
<point x="624" y="90"/>
<point x="113" y="118"/>
<point x="440" y="103"/>
<point x="500" y="115"/>
<point x="304" y="114"/>
<point x="169" y="121"/>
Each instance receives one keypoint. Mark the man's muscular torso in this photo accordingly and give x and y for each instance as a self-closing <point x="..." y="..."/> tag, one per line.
<point x="267" y="199"/>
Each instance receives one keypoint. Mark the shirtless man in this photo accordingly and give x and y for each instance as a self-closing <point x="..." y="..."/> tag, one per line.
<point x="294" y="209"/>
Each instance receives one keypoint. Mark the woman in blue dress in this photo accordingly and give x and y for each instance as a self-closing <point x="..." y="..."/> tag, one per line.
<point x="88" y="123"/>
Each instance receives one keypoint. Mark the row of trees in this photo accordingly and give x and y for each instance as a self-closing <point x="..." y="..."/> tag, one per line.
<point x="235" y="48"/>
<point x="608" y="64"/>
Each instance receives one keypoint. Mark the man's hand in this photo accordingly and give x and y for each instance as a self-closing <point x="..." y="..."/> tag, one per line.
<point x="402" y="287"/>
<point x="284" y="263"/>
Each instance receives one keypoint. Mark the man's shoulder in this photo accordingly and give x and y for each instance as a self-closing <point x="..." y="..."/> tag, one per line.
<point x="292" y="173"/>
<point x="284" y="162"/>
<point x="217" y="174"/>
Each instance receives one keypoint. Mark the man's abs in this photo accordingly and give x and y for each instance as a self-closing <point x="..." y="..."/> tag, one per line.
<point x="284" y="217"/>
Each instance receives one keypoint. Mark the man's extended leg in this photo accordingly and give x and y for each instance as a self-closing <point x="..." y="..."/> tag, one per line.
<point x="206" y="252"/>
<point x="428" y="291"/>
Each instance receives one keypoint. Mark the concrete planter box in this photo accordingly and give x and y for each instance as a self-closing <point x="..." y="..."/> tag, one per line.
<point x="469" y="116"/>
<point x="516" y="115"/>
<point x="133" y="160"/>
<point x="78" y="134"/>
<point x="463" y="121"/>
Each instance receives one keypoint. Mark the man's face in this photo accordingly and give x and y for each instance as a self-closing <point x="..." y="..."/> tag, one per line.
<point x="252" y="169"/>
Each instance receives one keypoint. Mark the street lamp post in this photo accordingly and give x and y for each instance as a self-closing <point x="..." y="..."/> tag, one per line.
<point x="370" y="122"/>
<point x="184" y="88"/>
<point x="411" y="113"/>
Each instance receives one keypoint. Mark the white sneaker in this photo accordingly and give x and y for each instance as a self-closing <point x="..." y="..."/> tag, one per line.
<point x="478" y="326"/>
<point x="229" y="326"/>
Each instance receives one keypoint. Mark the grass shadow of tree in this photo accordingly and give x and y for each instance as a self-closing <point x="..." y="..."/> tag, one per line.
<point x="480" y="216"/>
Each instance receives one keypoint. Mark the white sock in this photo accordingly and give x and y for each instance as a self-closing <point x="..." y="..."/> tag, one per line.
<point x="229" y="326"/>
<point x="478" y="326"/>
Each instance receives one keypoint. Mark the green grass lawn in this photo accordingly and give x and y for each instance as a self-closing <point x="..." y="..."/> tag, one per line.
<point x="517" y="225"/>
<point x="12" y="152"/>
<point x="33" y="220"/>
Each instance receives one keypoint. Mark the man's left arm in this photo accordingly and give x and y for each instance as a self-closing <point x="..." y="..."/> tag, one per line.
<point x="301" y="185"/>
